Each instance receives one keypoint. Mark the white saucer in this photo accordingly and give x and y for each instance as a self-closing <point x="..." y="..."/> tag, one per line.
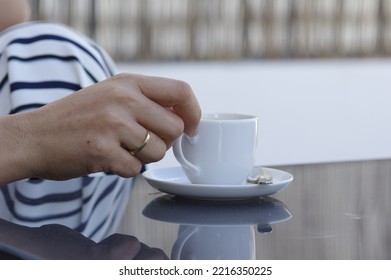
<point x="172" y="180"/>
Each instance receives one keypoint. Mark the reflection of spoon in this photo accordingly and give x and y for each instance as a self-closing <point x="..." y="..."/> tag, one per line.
<point x="264" y="178"/>
<point x="264" y="228"/>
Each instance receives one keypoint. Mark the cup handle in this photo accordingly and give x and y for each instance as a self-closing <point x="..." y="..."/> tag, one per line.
<point x="183" y="236"/>
<point x="178" y="153"/>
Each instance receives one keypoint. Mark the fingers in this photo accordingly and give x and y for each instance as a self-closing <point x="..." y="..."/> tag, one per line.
<point x="120" y="246"/>
<point x="163" y="122"/>
<point x="149" y="253"/>
<point x="122" y="163"/>
<point x="174" y="94"/>
<point x="165" y="107"/>
<point x="134" y="144"/>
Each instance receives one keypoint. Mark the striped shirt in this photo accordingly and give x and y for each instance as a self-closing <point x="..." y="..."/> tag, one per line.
<point x="40" y="63"/>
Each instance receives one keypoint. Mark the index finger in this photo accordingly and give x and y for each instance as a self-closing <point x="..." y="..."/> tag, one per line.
<point x="175" y="94"/>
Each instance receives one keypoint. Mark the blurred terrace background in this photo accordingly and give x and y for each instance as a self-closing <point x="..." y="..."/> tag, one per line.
<point x="317" y="70"/>
<point x="173" y="30"/>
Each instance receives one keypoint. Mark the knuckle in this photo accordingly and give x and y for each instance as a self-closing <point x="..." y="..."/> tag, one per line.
<point x="176" y="128"/>
<point x="126" y="80"/>
<point x="122" y="76"/>
<point x="116" y="122"/>
<point x="120" y="87"/>
<point x="184" y="88"/>
<point x="159" y="151"/>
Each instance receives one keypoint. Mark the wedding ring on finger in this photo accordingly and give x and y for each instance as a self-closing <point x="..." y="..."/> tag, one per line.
<point x="142" y="146"/>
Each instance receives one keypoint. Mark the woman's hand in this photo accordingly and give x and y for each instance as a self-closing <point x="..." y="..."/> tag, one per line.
<point x="95" y="129"/>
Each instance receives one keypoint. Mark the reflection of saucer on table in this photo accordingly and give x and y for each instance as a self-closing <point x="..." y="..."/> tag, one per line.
<point x="172" y="180"/>
<point x="216" y="229"/>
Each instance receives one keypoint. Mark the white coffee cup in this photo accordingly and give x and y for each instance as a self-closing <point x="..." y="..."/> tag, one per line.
<point x="223" y="150"/>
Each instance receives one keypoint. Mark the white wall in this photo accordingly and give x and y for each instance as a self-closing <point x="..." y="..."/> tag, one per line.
<point x="310" y="111"/>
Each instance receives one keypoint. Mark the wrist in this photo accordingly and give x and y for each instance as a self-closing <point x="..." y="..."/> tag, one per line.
<point x="15" y="148"/>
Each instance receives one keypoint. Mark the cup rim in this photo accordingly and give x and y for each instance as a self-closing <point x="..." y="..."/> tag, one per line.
<point x="223" y="116"/>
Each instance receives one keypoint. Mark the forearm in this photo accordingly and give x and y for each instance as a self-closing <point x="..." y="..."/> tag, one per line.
<point x="14" y="142"/>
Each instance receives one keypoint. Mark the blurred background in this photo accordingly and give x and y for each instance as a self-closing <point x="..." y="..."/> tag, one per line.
<point x="316" y="72"/>
<point x="156" y="30"/>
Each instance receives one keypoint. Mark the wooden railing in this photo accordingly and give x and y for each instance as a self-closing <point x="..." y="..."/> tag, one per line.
<point x="228" y="29"/>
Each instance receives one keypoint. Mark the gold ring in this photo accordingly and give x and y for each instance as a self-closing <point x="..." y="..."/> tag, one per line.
<point x="146" y="140"/>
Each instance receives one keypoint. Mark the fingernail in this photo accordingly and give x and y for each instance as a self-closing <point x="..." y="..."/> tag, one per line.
<point x="192" y="139"/>
<point x="194" y="132"/>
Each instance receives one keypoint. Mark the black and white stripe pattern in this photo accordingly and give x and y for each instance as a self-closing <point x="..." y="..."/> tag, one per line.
<point x="40" y="63"/>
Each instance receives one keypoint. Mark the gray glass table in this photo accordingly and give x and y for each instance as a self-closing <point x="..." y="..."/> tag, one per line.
<point x="329" y="211"/>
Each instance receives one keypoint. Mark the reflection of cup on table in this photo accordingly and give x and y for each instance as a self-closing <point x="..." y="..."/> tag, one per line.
<point x="222" y="152"/>
<point x="215" y="229"/>
<point x="214" y="243"/>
